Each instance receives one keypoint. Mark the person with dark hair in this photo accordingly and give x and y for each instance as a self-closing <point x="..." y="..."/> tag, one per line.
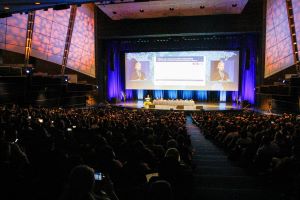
<point x="220" y="74"/>
<point x="81" y="186"/>
<point x="176" y="173"/>
<point x="160" y="190"/>
<point x="137" y="73"/>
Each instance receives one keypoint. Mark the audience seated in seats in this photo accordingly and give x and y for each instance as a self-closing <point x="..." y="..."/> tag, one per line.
<point x="178" y="174"/>
<point x="82" y="184"/>
<point x="267" y="144"/>
<point x="160" y="190"/>
<point x="39" y="147"/>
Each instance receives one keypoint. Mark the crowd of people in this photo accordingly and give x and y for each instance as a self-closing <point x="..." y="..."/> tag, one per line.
<point x="96" y="153"/>
<point x="269" y="145"/>
<point x="118" y="154"/>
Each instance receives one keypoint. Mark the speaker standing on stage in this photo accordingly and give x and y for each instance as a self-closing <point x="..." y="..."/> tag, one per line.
<point x="148" y="99"/>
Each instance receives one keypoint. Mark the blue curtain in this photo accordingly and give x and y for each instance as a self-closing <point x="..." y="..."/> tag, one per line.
<point x="114" y="80"/>
<point x="158" y="94"/>
<point x="187" y="94"/>
<point x="248" y="72"/>
<point x="140" y="94"/>
<point x="234" y="95"/>
<point x="172" y="94"/>
<point x="129" y="94"/>
<point x="222" y="95"/>
<point x="201" y="95"/>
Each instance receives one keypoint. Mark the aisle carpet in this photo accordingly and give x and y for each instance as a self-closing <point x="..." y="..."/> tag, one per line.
<point x="217" y="178"/>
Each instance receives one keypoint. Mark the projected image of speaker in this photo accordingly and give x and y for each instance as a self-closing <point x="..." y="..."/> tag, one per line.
<point x="180" y="107"/>
<point x="199" y="107"/>
<point x="151" y="106"/>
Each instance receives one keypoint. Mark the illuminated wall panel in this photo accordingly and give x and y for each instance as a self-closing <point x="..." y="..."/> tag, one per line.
<point x="13" y="33"/>
<point x="296" y="10"/>
<point x="49" y="37"/>
<point x="279" y="50"/>
<point x="49" y="34"/>
<point x="2" y="33"/>
<point x="82" y="48"/>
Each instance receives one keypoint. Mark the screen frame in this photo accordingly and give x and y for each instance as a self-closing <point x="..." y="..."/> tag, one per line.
<point x="123" y="64"/>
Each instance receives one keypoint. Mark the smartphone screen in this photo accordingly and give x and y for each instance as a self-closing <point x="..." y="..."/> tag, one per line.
<point x="98" y="176"/>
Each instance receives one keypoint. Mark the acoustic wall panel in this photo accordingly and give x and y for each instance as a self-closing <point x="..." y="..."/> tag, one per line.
<point x="13" y="33"/>
<point x="296" y="11"/>
<point x="49" y="35"/>
<point x="82" y="49"/>
<point x="278" y="48"/>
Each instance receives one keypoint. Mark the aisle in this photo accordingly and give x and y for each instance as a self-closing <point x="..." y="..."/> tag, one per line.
<point x="217" y="178"/>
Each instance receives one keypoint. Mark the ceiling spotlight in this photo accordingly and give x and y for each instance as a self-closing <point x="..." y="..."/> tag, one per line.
<point x="171" y="9"/>
<point x="37" y="3"/>
<point x="141" y="10"/>
<point x="114" y="12"/>
<point x="6" y="8"/>
<point x="202" y="7"/>
<point x="234" y="5"/>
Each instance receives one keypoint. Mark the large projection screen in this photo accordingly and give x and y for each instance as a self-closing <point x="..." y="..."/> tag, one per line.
<point x="183" y="70"/>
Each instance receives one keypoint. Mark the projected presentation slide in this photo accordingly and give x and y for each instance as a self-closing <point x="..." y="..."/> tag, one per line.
<point x="183" y="70"/>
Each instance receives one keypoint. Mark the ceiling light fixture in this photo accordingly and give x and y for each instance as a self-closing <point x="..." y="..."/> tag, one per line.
<point x="37" y="3"/>
<point x="6" y="8"/>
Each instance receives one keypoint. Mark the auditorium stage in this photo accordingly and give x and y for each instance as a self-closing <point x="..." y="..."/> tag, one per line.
<point x="206" y="106"/>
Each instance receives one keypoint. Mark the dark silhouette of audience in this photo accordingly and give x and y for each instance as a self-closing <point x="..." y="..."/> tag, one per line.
<point x="53" y="153"/>
<point x="266" y="144"/>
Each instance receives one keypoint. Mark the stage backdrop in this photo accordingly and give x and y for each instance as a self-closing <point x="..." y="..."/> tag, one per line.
<point x="247" y="44"/>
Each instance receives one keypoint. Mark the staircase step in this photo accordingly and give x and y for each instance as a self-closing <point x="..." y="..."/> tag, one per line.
<point x="230" y="182"/>
<point x="233" y="194"/>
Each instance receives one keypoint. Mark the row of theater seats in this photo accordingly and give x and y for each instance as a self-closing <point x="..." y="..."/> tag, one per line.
<point x="266" y="145"/>
<point x="55" y="153"/>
